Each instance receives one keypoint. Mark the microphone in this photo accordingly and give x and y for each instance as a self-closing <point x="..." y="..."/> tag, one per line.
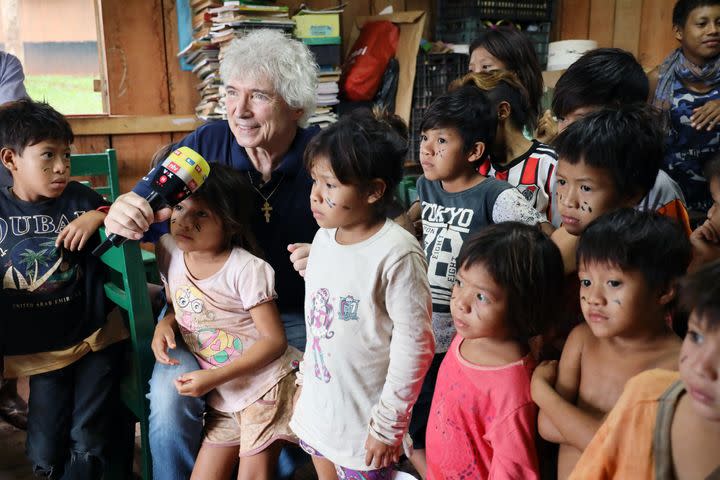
<point x="171" y="182"/>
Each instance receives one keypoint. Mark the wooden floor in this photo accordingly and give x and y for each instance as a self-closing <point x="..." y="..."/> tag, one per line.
<point x="13" y="463"/>
<point x="15" y="466"/>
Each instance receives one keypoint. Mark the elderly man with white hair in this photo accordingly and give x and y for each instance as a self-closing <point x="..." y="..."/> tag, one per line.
<point x="270" y="82"/>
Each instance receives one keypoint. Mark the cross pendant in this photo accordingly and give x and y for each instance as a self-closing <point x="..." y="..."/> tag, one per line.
<point x="266" y="208"/>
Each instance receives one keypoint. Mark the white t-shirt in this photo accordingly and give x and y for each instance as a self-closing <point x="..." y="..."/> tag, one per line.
<point x="369" y="342"/>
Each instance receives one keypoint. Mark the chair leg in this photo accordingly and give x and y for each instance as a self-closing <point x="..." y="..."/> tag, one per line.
<point x="122" y="450"/>
<point x="146" y="461"/>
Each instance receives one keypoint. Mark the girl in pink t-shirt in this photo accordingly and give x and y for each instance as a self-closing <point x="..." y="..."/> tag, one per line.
<point x="482" y="420"/>
<point x="221" y="302"/>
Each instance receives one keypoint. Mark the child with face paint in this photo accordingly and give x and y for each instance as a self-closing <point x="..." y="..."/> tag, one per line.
<point x="629" y="263"/>
<point x="455" y="200"/>
<point x="705" y="239"/>
<point x="610" y="77"/>
<point x="667" y="424"/>
<point x="222" y="305"/>
<point x="482" y="421"/>
<point x="607" y="159"/>
<point x="367" y="304"/>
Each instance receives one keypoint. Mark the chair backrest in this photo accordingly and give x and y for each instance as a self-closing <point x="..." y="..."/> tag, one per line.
<point x="127" y="288"/>
<point x="98" y="165"/>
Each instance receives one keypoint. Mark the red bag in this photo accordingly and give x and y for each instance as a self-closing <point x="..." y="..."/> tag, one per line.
<point x="363" y="71"/>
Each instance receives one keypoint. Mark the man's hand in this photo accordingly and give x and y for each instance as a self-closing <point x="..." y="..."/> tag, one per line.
<point x="379" y="454"/>
<point x="76" y="234"/>
<point x="707" y="116"/>
<point x="299" y="253"/>
<point x="164" y="338"/>
<point x="131" y="215"/>
<point x="196" y="383"/>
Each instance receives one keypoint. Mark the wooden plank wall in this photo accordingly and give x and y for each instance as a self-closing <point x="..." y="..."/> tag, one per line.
<point x="642" y="27"/>
<point x="143" y="76"/>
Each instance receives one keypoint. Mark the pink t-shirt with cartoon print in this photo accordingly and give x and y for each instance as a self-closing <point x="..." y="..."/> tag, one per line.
<point x="213" y="315"/>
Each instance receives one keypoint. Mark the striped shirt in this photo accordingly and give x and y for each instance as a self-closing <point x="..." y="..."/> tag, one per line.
<point x="532" y="173"/>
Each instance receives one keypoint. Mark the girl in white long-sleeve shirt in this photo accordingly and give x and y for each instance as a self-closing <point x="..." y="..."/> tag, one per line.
<point x="367" y="305"/>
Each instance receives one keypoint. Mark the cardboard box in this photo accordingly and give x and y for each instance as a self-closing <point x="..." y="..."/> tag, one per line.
<point x="318" y="28"/>
<point x="411" y="27"/>
<point x="550" y="77"/>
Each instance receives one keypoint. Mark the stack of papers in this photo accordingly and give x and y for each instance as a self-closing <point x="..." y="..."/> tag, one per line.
<point x="215" y="24"/>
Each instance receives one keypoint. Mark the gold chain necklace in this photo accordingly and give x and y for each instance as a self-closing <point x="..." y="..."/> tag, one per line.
<point x="266" y="208"/>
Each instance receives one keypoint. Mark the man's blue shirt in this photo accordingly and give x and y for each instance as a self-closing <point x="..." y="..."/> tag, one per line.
<point x="288" y="192"/>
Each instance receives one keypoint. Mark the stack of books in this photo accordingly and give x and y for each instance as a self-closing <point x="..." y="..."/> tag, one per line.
<point x="327" y="97"/>
<point x="215" y="24"/>
<point x="320" y="31"/>
<point x="202" y="56"/>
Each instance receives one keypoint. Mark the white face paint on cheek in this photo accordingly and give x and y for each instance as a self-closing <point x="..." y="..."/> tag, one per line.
<point x="329" y="202"/>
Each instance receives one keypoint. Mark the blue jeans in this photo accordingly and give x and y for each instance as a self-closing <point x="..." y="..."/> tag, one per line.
<point x="176" y="421"/>
<point x="69" y="418"/>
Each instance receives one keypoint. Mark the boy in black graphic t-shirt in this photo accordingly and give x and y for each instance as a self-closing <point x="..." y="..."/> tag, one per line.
<point x="54" y="326"/>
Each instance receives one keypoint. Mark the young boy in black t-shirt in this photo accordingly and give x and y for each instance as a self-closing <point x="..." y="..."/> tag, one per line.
<point x="54" y="324"/>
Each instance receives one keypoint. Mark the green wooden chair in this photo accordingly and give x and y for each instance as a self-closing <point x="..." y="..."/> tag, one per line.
<point x="98" y="165"/>
<point x="406" y="190"/>
<point x="127" y="288"/>
<point x="104" y="166"/>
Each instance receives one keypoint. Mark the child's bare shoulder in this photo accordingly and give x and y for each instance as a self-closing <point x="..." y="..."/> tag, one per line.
<point x="580" y="337"/>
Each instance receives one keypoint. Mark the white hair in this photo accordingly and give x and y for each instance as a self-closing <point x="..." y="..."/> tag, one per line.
<point x="285" y="62"/>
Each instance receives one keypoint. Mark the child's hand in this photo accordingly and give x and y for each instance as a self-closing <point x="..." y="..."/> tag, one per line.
<point x="163" y="338"/>
<point x="76" y="234"/>
<point x="379" y="454"/>
<point x="195" y="384"/>
<point x="299" y="253"/>
<point x="706" y="116"/>
<point x="547" y="128"/>
<point x="544" y="375"/>
<point x="705" y="242"/>
<point x="706" y="232"/>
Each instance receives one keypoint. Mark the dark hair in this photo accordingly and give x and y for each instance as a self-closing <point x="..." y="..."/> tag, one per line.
<point x="26" y="122"/>
<point x="467" y="110"/>
<point x="361" y="147"/>
<point x="601" y="77"/>
<point x="516" y="51"/>
<point x="700" y="293"/>
<point x="626" y="140"/>
<point x="647" y="242"/>
<point x="500" y="86"/>
<point x="161" y="154"/>
<point x="712" y="167"/>
<point x="527" y="264"/>
<point x="682" y="9"/>
<point x="227" y="194"/>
